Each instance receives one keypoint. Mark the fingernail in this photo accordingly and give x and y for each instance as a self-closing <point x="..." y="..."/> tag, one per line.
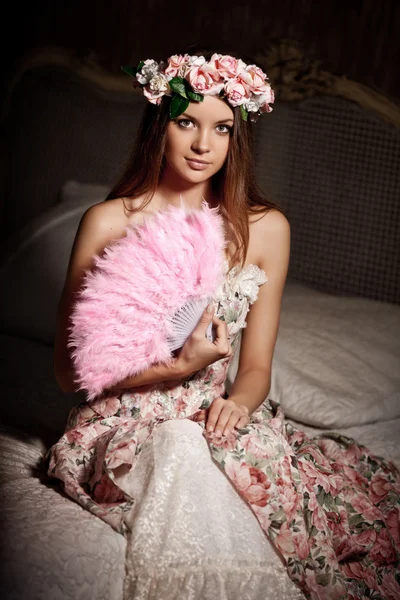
<point x="210" y="308"/>
<point x="209" y="428"/>
<point x="218" y="433"/>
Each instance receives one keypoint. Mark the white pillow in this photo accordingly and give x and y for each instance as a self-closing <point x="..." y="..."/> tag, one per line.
<point x="35" y="263"/>
<point x="337" y="359"/>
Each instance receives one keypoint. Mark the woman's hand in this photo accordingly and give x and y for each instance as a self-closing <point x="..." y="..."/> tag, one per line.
<point x="198" y="352"/>
<point x="223" y="415"/>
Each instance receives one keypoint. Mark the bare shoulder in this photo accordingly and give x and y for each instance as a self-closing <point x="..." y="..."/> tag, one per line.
<point x="269" y="241"/>
<point x="270" y="221"/>
<point x="107" y="220"/>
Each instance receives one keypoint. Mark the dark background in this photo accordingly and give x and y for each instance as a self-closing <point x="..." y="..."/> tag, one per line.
<point x="360" y="39"/>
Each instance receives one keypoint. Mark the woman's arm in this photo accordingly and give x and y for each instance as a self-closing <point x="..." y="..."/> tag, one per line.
<point x="253" y="379"/>
<point x="270" y="241"/>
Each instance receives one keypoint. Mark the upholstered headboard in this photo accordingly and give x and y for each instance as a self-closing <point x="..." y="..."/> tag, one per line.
<point x="328" y="153"/>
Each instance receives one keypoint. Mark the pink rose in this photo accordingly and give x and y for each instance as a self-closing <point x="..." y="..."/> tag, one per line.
<point x="237" y="92"/>
<point x="266" y="99"/>
<point x="152" y="96"/>
<point x="225" y="65"/>
<point x="380" y="487"/>
<point x="257" y="78"/>
<point x="382" y="551"/>
<point x="205" y="79"/>
<point x="177" y="65"/>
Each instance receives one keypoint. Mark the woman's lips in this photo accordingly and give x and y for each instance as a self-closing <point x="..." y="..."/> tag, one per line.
<point x="197" y="166"/>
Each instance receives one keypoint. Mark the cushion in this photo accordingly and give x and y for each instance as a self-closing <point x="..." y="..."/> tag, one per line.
<point x="336" y="360"/>
<point x="35" y="262"/>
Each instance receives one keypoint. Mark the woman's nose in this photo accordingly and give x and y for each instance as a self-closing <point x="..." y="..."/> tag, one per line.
<point x="201" y="143"/>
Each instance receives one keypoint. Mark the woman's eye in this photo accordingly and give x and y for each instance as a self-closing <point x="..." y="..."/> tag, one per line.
<point x="184" y="123"/>
<point x="226" y="128"/>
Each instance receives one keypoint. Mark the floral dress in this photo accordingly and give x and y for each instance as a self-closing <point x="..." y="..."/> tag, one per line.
<point x="285" y="515"/>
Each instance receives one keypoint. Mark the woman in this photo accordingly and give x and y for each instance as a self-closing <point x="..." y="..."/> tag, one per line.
<point x="217" y="496"/>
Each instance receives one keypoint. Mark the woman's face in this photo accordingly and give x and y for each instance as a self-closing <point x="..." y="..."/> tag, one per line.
<point x="198" y="140"/>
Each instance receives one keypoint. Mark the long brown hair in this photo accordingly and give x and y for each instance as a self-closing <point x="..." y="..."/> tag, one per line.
<point x="234" y="185"/>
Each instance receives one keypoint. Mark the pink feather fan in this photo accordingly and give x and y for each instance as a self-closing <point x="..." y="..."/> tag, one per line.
<point x="123" y="318"/>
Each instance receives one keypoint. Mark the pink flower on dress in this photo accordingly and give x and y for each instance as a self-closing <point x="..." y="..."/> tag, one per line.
<point x="284" y="541"/>
<point x="363" y="505"/>
<point x="366" y="538"/>
<point x="311" y="477"/>
<point x="390" y="588"/>
<point x="301" y="545"/>
<point x="355" y="477"/>
<point x="250" y="481"/>
<point x="263" y="515"/>
<point x="393" y="523"/>
<point x="106" y="492"/>
<point x="253" y="444"/>
<point x="228" y="442"/>
<point x="123" y="454"/>
<point x="380" y="487"/>
<point x="353" y="454"/>
<point x="353" y="569"/>
<point x="86" y="434"/>
<point x="290" y="501"/>
<point x="106" y="407"/>
<point x="382" y="551"/>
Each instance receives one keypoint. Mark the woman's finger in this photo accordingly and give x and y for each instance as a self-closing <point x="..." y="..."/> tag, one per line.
<point x="213" y="413"/>
<point x="233" y="420"/>
<point x="201" y="416"/>
<point x="223" y="419"/>
<point x="243" y="421"/>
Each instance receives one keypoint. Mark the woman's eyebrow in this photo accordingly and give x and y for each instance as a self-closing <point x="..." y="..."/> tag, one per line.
<point x="194" y="118"/>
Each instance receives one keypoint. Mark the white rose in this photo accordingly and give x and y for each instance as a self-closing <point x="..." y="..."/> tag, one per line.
<point x="159" y="83"/>
<point x="251" y="106"/>
<point x="147" y="72"/>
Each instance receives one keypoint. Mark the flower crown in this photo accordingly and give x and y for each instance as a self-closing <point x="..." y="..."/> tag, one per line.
<point x="187" y="78"/>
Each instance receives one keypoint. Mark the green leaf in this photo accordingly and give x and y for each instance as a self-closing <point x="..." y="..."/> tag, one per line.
<point x="243" y="112"/>
<point x="130" y="70"/>
<point x="195" y="97"/>
<point x="177" y="85"/>
<point x="178" y="106"/>
<point x="140" y="65"/>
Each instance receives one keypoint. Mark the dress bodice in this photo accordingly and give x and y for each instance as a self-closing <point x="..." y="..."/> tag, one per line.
<point x="232" y="301"/>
